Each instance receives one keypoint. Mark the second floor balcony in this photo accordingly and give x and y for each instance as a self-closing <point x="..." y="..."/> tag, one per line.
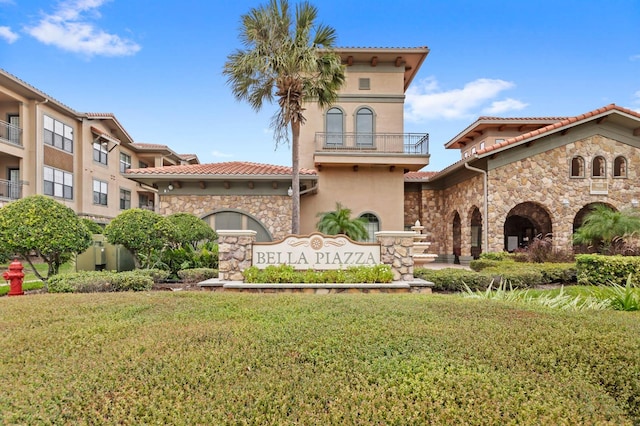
<point x="407" y="150"/>
<point x="10" y="133"/>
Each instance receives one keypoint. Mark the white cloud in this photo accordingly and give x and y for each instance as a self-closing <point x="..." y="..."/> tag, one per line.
<point x="634" y="57"/>
<point x="500" y="107"/>
<point x="218" y="154"/>
<point x="8" y="35"/>
<point x="70" y="28"/>
<point x="425" y="100"/>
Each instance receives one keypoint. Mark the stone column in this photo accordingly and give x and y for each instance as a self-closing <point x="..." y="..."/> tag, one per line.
<point x="235" y="249"/>
<point x="396" y="250"/>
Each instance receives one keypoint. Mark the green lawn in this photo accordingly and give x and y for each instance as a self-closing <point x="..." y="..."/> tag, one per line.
<point x="214" y="358"/>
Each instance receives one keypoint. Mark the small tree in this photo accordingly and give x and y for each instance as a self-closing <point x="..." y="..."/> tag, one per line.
<point x="142" y="232"/>
<point x="191" y="230"/>
<point x="340" y="222"/>
<point x="42" y="225"/>
<point x="93" y="227"/>
<point x="604" y="226"/>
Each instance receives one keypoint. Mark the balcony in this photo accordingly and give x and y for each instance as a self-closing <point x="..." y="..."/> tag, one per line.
<point x="10" y="190"/>
<point x="407" y="150"/>
<point x="10" y="133"/>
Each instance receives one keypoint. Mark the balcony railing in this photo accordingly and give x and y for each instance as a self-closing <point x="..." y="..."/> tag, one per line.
<point x="382" y="143"/>
<point x="10" y="133"/>
<point x="10" y="190"/>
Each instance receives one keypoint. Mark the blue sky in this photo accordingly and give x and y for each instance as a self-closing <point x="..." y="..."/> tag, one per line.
<point x="157" y="65"/>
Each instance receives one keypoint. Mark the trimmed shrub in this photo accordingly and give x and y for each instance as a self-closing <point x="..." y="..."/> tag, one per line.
<point x="157" y="275"/>
<point x="524" y="276"/>
<point x="594" y="269"/>
<point x="195" y="275"/>
<point x="99" y="281"/>
<point x="496" y="255"/>
<point x="451" y="279"/>
<point x="286" y="274"/>
<point x="480" y="264"/>
<point x="130" y="281"/>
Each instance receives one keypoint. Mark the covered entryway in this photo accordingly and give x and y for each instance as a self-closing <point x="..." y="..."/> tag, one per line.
<point x="457" y="237"/>
<point x="476" y="233"/>
<point x="525" y="222"/>
<point x="578" y="220"/>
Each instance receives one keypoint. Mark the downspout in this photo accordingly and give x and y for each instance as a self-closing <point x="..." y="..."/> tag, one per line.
<point x="485" y="215"/>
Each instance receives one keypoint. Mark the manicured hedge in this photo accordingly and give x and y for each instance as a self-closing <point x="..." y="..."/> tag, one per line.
<point x="195" y="275"/>
<point x="514" y="274"/>
<point x="595" y="269"/>
<point x="286" y="274"/>
<point x="100" y="281"/>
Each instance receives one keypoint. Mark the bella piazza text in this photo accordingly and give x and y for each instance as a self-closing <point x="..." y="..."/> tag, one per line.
<point x="316" y="251"/>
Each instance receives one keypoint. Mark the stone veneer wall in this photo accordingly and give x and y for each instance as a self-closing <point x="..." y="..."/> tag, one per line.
<point x="273" y="211"/>
<point x="396" y="249"/>
<point x="235" y="251"/>
<point x="545" y="179"/>
<point x="412" y="208"/>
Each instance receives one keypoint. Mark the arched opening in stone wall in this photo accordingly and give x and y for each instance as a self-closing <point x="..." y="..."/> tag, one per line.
<point x="578" y="220"/>
<point x="229" y="219"/>
<point x="524" y="223"/>
<point x="476" y="233"/>
<point x="457" y="237"/>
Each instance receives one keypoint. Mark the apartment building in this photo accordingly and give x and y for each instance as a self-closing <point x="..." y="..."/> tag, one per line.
<point x="77" y="158"/>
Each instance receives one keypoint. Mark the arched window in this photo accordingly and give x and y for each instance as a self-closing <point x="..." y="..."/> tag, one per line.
<point x="373" y="225"/>
<point x="599" y="167"/>
<point x="364" y="127"/>
<point x="577" y="167"/>
<point x="620" y="167"/>
<point x="334" y="127"/>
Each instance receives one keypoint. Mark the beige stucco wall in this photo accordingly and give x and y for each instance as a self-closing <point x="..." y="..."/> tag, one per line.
<point x="274" y="212"/>
<point x="369" y="190"/>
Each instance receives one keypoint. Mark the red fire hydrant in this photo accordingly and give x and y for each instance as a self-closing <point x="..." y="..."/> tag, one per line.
<point x="15" y="276"/>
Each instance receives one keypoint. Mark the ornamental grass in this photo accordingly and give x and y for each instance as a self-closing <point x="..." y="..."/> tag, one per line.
<point x="357" y="359"/>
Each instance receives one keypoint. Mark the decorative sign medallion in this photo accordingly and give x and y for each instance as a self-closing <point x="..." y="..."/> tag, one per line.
<point x="316" y="251"/>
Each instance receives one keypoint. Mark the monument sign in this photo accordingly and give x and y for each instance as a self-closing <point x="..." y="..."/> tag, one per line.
<point x="316" y="251"/>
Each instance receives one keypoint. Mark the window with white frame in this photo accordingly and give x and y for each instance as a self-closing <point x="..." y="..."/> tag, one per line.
<point x="58" y="183"/>
<point x="125" y="199"/>
<point x="100" y="152"/>
<point x="125" y="162"/>
<point x="58" y="134"/>
<point x="100" y="192"/>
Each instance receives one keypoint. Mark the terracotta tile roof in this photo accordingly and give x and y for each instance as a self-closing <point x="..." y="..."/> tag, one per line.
<point x="151" y="146"/>
<point x="559" y="124"/>
<point x="232" y="168"/>
<point x="418" y="176"/>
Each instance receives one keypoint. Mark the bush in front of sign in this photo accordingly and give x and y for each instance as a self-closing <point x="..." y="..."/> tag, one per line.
<point x="286" y="274"/>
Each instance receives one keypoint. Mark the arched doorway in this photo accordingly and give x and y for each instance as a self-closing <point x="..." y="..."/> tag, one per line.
<point x="476" y="233"/>
<point x="457" y="237"/>
<point x="238" y="220"/>
<point x="525" y="222"/>
<point x="578" y="220"/>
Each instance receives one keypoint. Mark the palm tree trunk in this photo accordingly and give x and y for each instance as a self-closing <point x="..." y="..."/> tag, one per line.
<point x="295" y="177"/>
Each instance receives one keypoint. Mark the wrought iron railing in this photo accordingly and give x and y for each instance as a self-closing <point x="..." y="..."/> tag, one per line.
<point x="384" y="143"/>
<point x="11" y="190"/>
<point x="10" y="133"/>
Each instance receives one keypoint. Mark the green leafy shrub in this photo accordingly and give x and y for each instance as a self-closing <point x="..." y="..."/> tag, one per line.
<point x="620" y="298"/>
<point x="496" y="255"/>
<point x="287" y="274"/>
<point x="593" y="269"/>
<point x="130" y="281"/>
<point x="480" y="264"/>
<point x="196" y="275"/>
<point x="451" y="279"/>
<point x="563" y="273"/>
<point x="99" y="281"/>
<point x="524" y="276"/>
<point x="157" y="275"/>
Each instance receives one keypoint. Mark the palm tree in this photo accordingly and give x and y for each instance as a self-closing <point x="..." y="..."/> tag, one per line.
<point x="292" y="61"/>
<point x="340" y="222"/>
<point x="604" y="226"/>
